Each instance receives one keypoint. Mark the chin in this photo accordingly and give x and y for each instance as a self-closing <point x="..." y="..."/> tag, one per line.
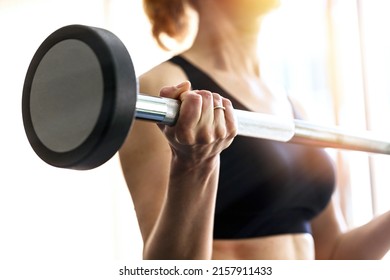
<point x="264" y="6"/>
<point x="246" y="8"/>
<point x="256" y="7"/>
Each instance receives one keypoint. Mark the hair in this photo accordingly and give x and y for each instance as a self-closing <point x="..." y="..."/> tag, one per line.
<point x="167" y="17"/>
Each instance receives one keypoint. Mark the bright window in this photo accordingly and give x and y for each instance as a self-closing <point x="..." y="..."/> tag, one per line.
<point x="332" y="55"/>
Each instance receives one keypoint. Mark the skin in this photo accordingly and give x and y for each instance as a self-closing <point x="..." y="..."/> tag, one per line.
<point x="175" y="206"/>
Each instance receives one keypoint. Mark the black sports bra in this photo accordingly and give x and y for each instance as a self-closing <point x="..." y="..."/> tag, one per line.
<point x="265" y="187"/>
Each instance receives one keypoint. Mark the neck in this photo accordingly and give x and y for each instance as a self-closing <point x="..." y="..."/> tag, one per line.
<point x="227" y="44"/>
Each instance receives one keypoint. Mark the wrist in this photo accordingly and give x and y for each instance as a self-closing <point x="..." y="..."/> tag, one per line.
<point x="188" y="178"/>
<point x="185" y="164"/>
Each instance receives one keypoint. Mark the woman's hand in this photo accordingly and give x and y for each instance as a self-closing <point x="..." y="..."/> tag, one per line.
<point x="202" y="131"/>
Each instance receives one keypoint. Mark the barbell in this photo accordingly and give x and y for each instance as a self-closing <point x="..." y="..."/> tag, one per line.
<point x="80" y="97"/>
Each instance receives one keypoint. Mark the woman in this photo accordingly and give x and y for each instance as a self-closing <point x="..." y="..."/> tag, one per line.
<point x="200" y="195"/>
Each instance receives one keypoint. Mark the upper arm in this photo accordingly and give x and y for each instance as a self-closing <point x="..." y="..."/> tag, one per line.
<point x="327" y="228"/>
<point x="145" y="155"/>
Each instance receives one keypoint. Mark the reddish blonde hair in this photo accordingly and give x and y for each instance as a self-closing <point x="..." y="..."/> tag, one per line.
<point x="167" y="16"/>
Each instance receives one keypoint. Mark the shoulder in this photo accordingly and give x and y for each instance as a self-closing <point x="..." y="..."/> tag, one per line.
<point x="164" y="74"/>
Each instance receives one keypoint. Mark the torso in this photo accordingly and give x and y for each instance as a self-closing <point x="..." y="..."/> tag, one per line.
<point x="278" y="247"/>
<point x="290" y="245"/>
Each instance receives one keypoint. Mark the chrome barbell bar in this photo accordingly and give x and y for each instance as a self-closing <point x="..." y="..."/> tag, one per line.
<point x="265" y="126"/>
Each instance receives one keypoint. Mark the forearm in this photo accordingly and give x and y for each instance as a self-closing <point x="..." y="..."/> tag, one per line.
<point x="185" y="225"/>
<point x="370" y="241"/>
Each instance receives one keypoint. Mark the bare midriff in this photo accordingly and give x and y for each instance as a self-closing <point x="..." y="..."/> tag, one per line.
<point x="278" y="247"/>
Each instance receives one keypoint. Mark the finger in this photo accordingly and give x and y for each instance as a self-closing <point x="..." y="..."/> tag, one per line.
<point x="205" y="129"/>
<point x="219" y="117"/>
<point x="175" y="91"/>
<point x="189" y="117"/>
<point x="207" y="107"/>
<point x="230" y="118"/>
<point x="191" y="108"/>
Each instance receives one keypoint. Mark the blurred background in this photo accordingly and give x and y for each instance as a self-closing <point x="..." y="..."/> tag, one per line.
<point x="333" y="55"/>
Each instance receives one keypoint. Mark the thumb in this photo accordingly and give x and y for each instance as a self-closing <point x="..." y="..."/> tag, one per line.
<point x="175" y="91"/>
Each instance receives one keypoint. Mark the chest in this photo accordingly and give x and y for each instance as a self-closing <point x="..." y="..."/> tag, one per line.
<point x="261" y="176"/>
<point x="265" y="187"/>
<point x="254" y="95"/>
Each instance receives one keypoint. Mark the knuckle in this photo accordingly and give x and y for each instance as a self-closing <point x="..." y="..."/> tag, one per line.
<point x="233" y="131"/>
<point x="192" y="96"/>
<point x="221" y="132"/>
<point x="206" y="94"/>
<point x="227" y="102"/>
<point x="205" y="136"/>
<point x="217" y="98"/>
<point x="184" y="137"/>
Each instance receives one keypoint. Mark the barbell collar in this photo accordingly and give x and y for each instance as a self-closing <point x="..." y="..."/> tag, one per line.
<point x="157" y="109"/>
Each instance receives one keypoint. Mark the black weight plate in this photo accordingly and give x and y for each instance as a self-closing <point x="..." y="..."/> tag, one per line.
<point x="79" y="97"/>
